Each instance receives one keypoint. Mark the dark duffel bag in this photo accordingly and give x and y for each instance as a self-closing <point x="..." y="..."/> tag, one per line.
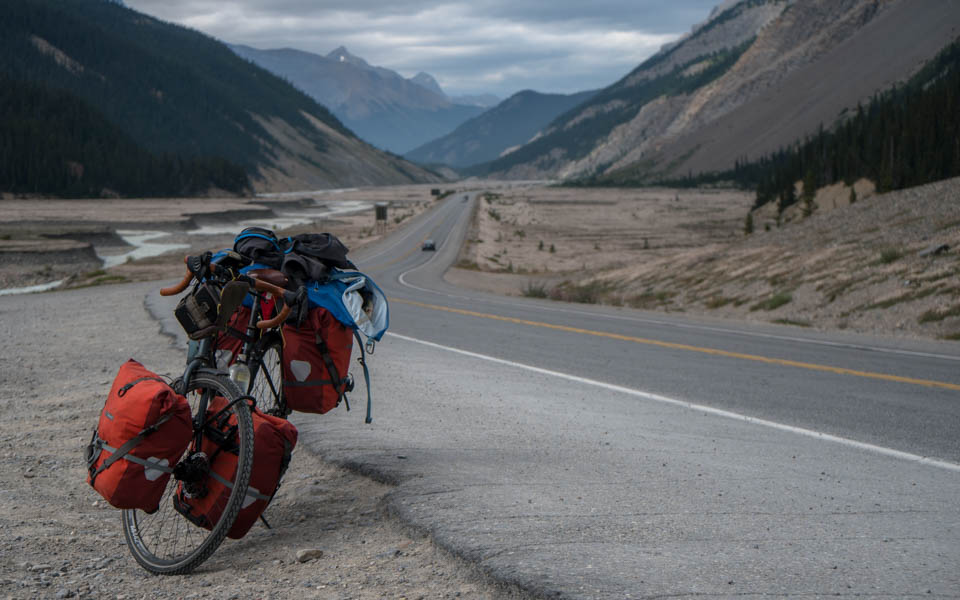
<point x="261" y="246"/>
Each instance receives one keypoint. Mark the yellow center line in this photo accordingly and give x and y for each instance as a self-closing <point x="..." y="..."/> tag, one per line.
<point x="675" y="346"/>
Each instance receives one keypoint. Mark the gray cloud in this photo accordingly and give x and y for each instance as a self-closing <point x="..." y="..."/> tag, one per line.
<point x="496" y="46"/>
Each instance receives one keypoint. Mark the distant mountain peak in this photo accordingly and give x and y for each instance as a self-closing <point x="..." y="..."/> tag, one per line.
<point x="343" y="55"/>
<point x="425" y="80"/>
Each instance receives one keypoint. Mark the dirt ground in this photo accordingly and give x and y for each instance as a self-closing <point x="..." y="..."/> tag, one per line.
<point x="887" y="264"/>
<point x="59" y="539"/>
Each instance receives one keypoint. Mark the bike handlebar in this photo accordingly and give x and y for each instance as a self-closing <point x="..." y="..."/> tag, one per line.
<point x="258" y="284"/>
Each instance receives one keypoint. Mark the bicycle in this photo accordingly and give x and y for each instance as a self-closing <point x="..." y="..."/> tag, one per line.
<point x="166" y="541"/>
<point x="260" y="350"/>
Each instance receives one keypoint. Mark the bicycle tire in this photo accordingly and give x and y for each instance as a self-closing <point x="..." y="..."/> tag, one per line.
<point x="165" y="542"/>
<point x="266" y="376"/>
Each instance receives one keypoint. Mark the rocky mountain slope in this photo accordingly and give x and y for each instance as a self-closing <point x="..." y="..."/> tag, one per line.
<point x="173" y="93"/>
<point x="379" y="105"/>
<point x="511" y="123"/>
<point x="757" y="75"/>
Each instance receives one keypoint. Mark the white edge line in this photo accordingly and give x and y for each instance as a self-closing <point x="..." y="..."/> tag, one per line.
<point x="890" y="452"/>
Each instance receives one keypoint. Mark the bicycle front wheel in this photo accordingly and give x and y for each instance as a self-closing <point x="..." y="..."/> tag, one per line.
<point x="266" y="376"/>
<point x="167" y="542"/>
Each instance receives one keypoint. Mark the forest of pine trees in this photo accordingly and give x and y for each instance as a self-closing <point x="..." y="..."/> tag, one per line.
<point x="98" y="99"/>
<point x="52" y="143"/>
<point x="904" y="137"/>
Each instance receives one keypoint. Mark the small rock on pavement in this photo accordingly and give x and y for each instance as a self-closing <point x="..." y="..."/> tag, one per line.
<point x="308" y="555"/>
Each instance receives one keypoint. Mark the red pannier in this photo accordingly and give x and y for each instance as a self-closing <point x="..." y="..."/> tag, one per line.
<point x="316" y="358"/>
<point x="143" y="431"/>
<point x="273" y="443"/>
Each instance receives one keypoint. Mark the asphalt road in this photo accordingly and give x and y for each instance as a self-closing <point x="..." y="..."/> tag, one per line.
<point x="591" y="452"/>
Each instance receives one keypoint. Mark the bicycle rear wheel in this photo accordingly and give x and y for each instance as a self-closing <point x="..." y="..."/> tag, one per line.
<point x="266" y="375"/>
<point x="166" y="542"/>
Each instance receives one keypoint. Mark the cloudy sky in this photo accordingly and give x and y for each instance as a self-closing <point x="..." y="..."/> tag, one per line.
<point x="470" y="46"/>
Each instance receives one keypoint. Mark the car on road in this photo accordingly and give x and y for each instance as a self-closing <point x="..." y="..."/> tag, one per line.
<point x="428" y="245"/>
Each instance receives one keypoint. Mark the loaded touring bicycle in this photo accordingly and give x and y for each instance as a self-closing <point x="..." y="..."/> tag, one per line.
<point x="272" y="326"/>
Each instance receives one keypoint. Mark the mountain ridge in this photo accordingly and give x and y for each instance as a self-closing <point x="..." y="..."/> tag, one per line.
<point x="829" y="53"/>
<point x="179" y="93"/>
<point x="378" y="104"/>
<point x="489" y="135"/>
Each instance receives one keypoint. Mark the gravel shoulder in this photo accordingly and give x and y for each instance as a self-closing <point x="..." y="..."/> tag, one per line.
<point x="58" y="539"/>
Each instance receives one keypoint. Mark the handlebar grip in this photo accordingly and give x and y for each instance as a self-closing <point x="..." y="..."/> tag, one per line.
<point x="174" y="290"/>
<point x="277" y="320"/>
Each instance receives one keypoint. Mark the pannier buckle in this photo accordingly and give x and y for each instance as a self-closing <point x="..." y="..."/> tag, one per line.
<point x="92" y="451"/>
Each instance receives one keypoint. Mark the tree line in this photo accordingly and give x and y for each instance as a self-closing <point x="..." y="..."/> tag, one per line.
<point x="52" y="143"/>
<point x="148" y="108"/>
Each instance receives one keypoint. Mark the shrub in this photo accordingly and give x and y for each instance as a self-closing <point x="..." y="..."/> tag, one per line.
<point x="774" y="302"/>
<point x="534" y="290"/>
<point x="890" y="255"/>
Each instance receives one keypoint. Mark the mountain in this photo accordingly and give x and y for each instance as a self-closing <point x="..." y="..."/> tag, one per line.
<point x="755" y="76"/>
<point x="178" y="99"/>
<point x="379" y="105"/>
<point x="425" y="80"/>
<point x="511" y="123"/>
<point x="481" y="100"/>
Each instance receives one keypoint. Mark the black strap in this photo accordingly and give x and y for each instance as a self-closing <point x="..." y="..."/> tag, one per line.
<point x="127" y="446"/>
<point x="332" y="371"/>
<point x="308" y="383"/>
<point x="123" y="391"/>
<point x="242" y="336"/>
<point x="366" y="375"/>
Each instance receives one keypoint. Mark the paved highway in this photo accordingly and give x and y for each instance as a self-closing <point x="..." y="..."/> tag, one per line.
<point x="591" y="452"/>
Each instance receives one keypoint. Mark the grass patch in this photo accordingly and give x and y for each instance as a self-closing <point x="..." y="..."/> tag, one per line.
<point x="588" y="293"/>
<point x="718" y="302"/>
<point x="774" y="302"/>
<point x="889" y="302"/>
<point x="933" y="315"/>
<point x="908" y="297"/>
<point x="793" y="322"/>
<point x="947" y="225"/>
<point x="951" y="336"/>
<point x="651" y="299"/>
<point x="103" y="280"/>
<point x="534" y="290"/>
<point x="890" y="255"/>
